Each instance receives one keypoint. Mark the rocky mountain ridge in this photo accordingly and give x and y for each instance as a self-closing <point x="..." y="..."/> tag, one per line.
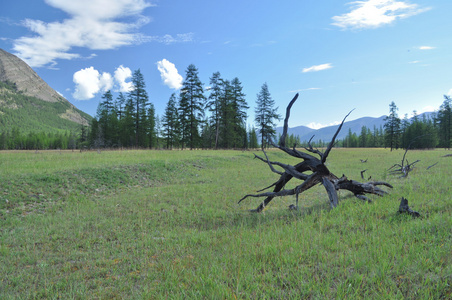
<point x="15" y="71"/>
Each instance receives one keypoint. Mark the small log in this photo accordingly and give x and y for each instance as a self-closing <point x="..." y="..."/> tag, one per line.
<point x="432" y="165"/>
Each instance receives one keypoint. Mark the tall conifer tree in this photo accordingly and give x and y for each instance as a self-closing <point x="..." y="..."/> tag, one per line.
<point x="170" y="122"/>
<point x="444" y="123"/>
<point x="214" y="104"/>
<point x="392" y="127"/>
<point x="265" y="115"/>
<point x="139" y="102"/>
<point x="191" y="106"/>
<point x="239" y="108"/>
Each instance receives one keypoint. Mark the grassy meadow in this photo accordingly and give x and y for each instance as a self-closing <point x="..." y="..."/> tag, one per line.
<point x="166" y="225"/>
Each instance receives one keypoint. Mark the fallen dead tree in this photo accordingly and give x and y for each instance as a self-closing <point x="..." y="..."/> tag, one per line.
<point x="405" y="167"/>
<point x="320" y="173"/>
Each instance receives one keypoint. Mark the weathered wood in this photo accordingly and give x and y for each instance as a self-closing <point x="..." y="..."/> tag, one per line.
<point x="405" y="168"/>
<point x="432" y="165"/>
<point x="404" y="208"/>
<point x="320" y="173"/>
<point x="362" y="173"/>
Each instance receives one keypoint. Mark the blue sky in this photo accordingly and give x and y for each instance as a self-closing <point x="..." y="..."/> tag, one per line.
<point x="339" y="55"/>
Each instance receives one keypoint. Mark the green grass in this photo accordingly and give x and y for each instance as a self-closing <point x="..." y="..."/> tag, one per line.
<point x="166" y="224"/>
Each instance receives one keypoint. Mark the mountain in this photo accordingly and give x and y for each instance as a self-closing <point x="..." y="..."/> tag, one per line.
<point x="326" y="133"/>
<point x="29" y="103"/>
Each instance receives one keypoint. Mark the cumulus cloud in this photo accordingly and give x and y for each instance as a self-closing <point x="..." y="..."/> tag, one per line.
<point x="376" y="13"/>
<point x="89" y="82"/>
<point x="92" y="24"/>
<point x="105" y="81"/>
<point x="169" y="74"/>
<point x="121" y="75"/>
<point x="317" y="68"/>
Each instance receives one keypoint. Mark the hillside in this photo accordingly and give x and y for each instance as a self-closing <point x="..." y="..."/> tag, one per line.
<point x="29" y="103"/>
<point x="31" y="114"/>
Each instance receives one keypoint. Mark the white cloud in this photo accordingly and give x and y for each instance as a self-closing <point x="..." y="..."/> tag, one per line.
<point x="428" y="108"/>
<point x="169" y="74"/>
<point x="105" y="81"/>
<point x="100" y="9"/>
<point x="376" y="13"/>
<point x="315" y="125"/>
<point x="426" y="48"/>
<point x="88" y="82"/>
<point x="317" y="68"/>
<point x="92" y="24"/>
<point x="449" y="93"/>
<point x="121" y="75"/>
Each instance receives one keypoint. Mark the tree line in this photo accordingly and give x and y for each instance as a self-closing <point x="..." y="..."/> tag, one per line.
<point x="216" y="118"/>
<point x="191" y="118"/>
<point x="15" y="139"/>
<point x="414" y="133"/>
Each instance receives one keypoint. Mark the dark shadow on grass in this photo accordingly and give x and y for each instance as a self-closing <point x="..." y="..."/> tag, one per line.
<point x="250" y="220"/>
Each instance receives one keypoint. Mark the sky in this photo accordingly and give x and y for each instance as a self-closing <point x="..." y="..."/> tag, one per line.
<point x="339" y="55"/>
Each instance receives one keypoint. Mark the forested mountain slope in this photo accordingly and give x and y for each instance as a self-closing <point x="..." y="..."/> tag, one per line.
<point x="27" y="102"/>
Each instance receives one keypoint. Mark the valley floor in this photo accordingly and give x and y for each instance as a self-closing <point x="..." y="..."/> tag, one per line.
<point x="166" y="224"/>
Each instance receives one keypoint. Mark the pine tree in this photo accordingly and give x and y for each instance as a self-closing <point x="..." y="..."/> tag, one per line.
<point x="253" y="143"/>
<point x="139" y="100"/>
<point x="443" y="122"/>
<point x="363" y="137"/>
<point x="239" y="107"/>
<point x="226" y="116"/>
<point x="127" y="125"/>
<point x="421" y="134"/>
<point x="158" y="132"/>
<point x="214" y="104"/>
<point x="150" y="123"/>
<point x="191" y="107"/>
<point x="170" y="123"/>
<point x="107" y="134"/>
<point x="265" y="115"/>
<point x="119" y="105"/>
<point x="392" y="128"/>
